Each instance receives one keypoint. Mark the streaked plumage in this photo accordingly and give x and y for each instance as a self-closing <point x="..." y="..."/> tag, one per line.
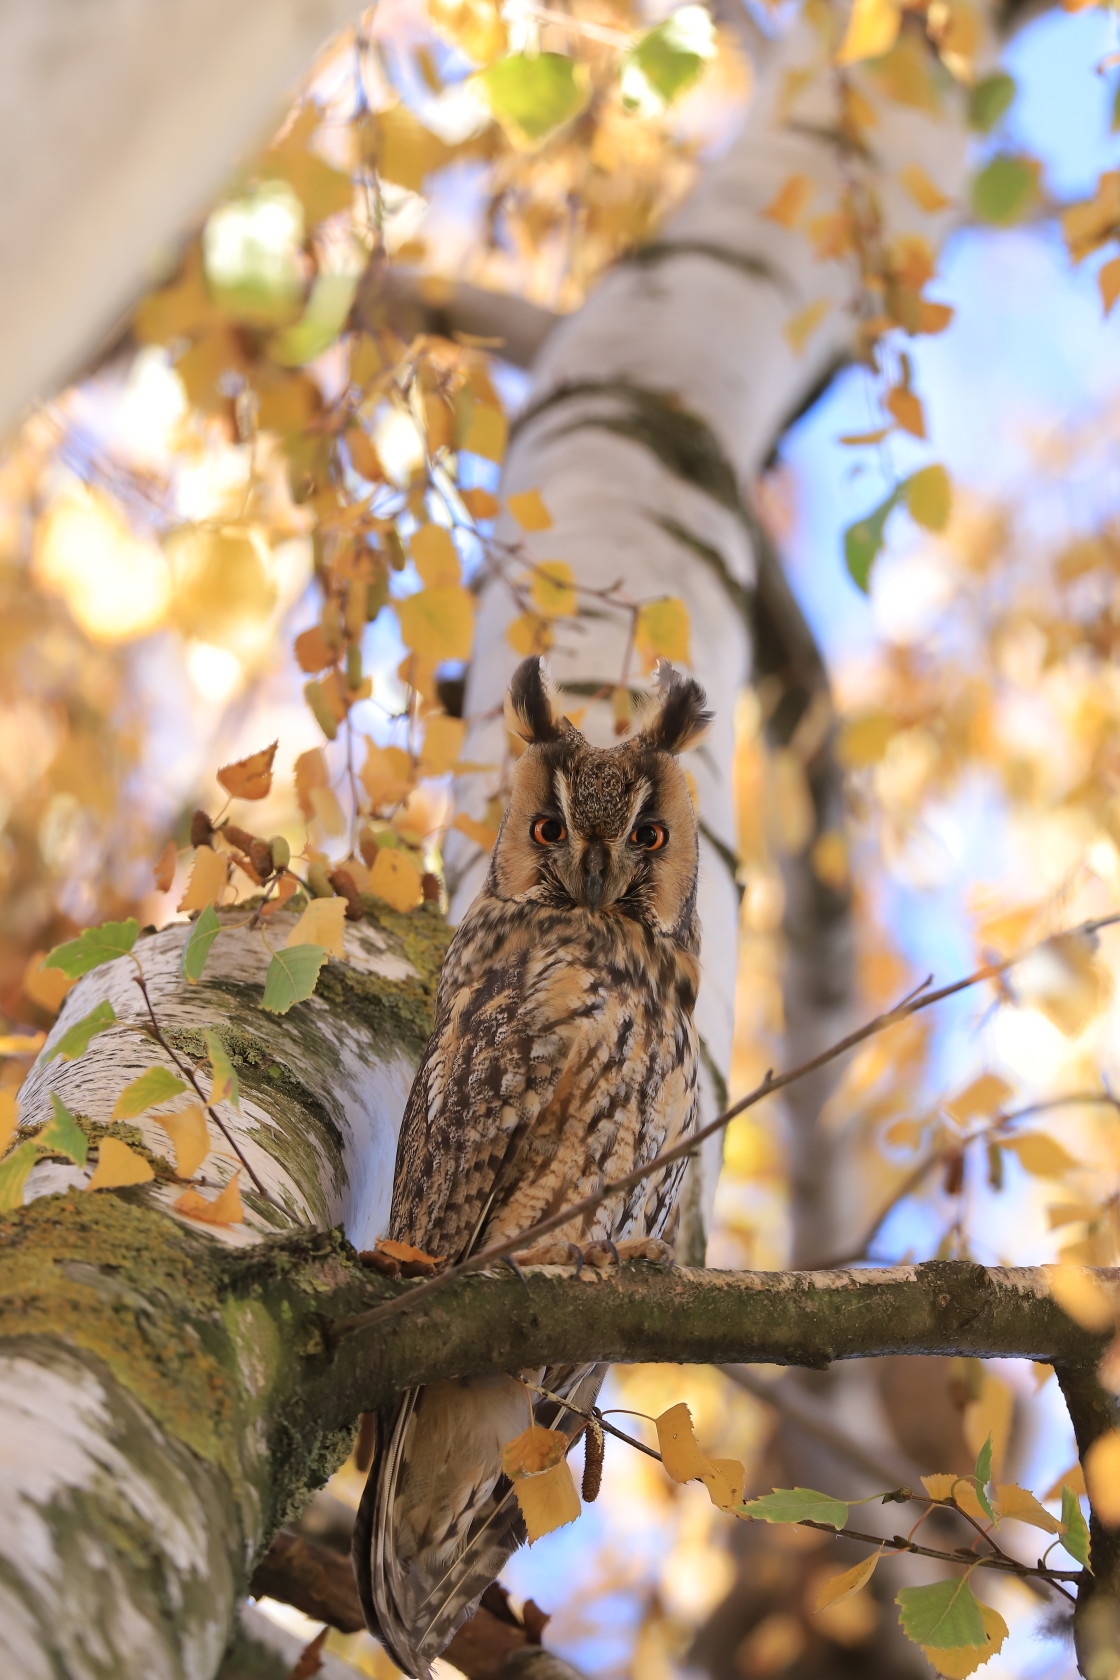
<point x="563" y="1055"/>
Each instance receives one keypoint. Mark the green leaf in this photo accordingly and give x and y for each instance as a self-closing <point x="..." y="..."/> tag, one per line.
<point x="197" y="949"/>
<point x="534" y="94"/>
<point x="944" y="1615"/>
<point x="929" y="498"/>
<point x="63" y="1135"/>
<point x="864" y="540"/>
<point x="668" y="59"/>
<point x="790" y="1505"/>
<point x="151" y="1087"/>
<point x="1075" y="1531"/>
<point x="13" y="1175"/>
<point x="291" y="977"/>
<point x="226" y="1085"/>
<point x="75" y="1041"/>
<point x="1004" y="190"/>
<point x="983" y="1475"/>
<point x="989" y="100"/>
<point x="93" y="947"/>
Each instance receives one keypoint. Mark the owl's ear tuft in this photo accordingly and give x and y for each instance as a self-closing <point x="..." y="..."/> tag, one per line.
<point x="681" y="714"/>
<point x="529" y="702"/>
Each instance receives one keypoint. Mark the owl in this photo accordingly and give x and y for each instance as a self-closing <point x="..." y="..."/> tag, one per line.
<point x="564" y="1055"/>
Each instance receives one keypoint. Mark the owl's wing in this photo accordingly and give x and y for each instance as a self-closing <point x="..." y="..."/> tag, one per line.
<point x="493" y="1065"/>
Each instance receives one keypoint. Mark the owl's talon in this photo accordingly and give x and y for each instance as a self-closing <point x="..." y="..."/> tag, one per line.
<point x="554" y="1253"/>
<point x="510" y="1261"/>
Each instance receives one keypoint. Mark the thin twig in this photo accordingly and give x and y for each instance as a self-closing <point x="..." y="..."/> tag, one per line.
<point x="921" y="998"/>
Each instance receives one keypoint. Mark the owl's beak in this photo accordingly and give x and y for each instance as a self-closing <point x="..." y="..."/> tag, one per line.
<point x="596" y="861"/>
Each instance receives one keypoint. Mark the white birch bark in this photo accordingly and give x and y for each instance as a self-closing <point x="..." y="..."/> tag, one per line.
<point x="119" y="122"/>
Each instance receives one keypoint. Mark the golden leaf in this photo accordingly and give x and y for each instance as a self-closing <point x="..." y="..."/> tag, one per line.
<point x="529" y="510"/>
<point x="311" y="772"/>
<point x="872" y="30"/>
<point x="327" y="811"/>
<point x="321" y="924"/>
<point x="906" y="408"/>
<point x="9" y="1116"/>
<point x="438" y="623"/>
<point x="164" y="871"/>
<point x="405" y="1254"/>
<point x="829" y="858"/>
<point x="800" y="328"/>
<point x="209" y="874"/>
<point x="929" y="498"/>
<point x="529" y="633"/>
<point x="118" y="1165"/>
<point x="45" y="986"/>
<point x="922" y="190"/>
<point x="1081" y="1297"/>
<point x="402" y="150"/>
<point x="313" y="652"/>
<point x="552" y="590"/>
<point x="443" y="742"/>
<point x="838" y="1587"/>
<point x="725" y="1480"/>
<point x="989" y="1415"/>
<point x="865" y="738"/>
<point x="1102" y="1477"/>
<point x="662" y="632"/>
<point x="396" y="879"/>
<point x="387" y="775"/>
<point x="1039" y="1154"/>
<point x="790" y="201"/>
<point x="222" y="588"/>
<point x="535" y="1449"/>
<point x="1073" y="1478"/>
<point x="967" y="1500"/>
<point x="941" y="1485"/>
<point x="190" y="1137"/>
<point x="250" y="778"/>
<point x="547" y="1501"/>
<point x="480" y="504"/>
<point x="680" y="1451"/>
<point x="225" y="1209"/>
<point x="956" y="1662"/>
<point x="487" y="432"/>
<point x="1064" y="980"/>
<point x="481" y="833"/>
<point x="1017" y="1504"/>
<point x="985" y="1095"/>
<point x="435" y="556"/>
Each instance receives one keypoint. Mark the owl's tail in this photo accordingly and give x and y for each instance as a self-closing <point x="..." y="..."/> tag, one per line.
<point x="438" y="1520"/>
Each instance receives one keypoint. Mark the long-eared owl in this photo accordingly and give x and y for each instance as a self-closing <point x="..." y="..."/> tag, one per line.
<point x="564" y="1055"/>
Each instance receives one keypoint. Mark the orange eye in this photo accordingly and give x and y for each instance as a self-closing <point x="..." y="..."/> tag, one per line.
<point x="651" y="837"/>
<point x="548" y="831"/>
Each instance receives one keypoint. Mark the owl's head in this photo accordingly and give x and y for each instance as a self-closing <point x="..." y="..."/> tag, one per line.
<point x="608" y="828"/>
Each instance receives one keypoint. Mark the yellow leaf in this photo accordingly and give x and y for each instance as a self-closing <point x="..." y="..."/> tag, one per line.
<point x="985" y="1095"/>
<point x="535" y="1449"/>
<point x="486" y="435"/>
<point x="529" y="633"/>
<point x="956" y="1662"/>
<point x="547" y="1501"/>
<point x="225" y="1209"/>
<point x="250" y="778"/>
<point x="904" y="1134"/>
<point x="529" y="510"/>
<point x="1108" y="279"/>
<point x="790" y="201"/>
<point x="118" y="1165"/>
<point x="405" y="1254"/>
<point x="1016" y="1503"/>
<point x="481" y="833"/>
<point x="480" y="504"/>
<point x="396" y="879"/>
<point x="800" y="328"/>
<point x="865" y="738"/>
<point x="1102" y="1477"/>
<point x="403" y="150"/>
<point x="164" y="871"/>
<point x="552" y="590"/>
<point x="1040" y="1155"/>
<point x="725" y="1480"/>
<point x="387" y="775"/>
<point x="311" y="772"/>
<point x="829" y="858"/>
<point x="838" y="1587"/>
<point x="662" y="632"/>
<point x="313" y="651"/>
<point x="968" y="1500"/>
<point x="922" y="190"/>
<point x="45" y="986"/>
<point x="1073" y="1478"/>
<point x="222" y="587"/>
<point x="1081" y="1297"/>
<point x="438" y="623"/>
<point x="1064" y="980"/>
<point x="9" y="1116"/>
<point x="941" y="1485"/>
<point x="989" y="1414"/>
<point x="327" y="811"/>
<point x="435" y="556"/>
<point x="443" y="742"/>
<point x="929" y="498"/>
<point x="208" y="876"/>
<point x="872" y="30"/>
<point x="321" y="924"/>
<point x="680" y="1451"/>
<point x="906" y="408"/>
<point x="858" y="440"/>
<point x="189" y="1136"/>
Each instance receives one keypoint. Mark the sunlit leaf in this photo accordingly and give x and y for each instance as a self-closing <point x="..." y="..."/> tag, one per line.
<point x="668" y="58"/>
<point x="872" y="29"/>
<point x="533" y="95"/>
<point x="62" y="1135"/>
<point x="480" y="504"/>
<point x="929" y="497"/>
<point x="93" y="947"/>
<point x="14" y="1169"/>
<point x="535" y="1449"/>
<point x="209" y="874"/>
<point x="547" y="1501"/>
<point x="552" y="589"/>
<point x="434" y="555"/>
<point x="527" y="507"/>
<point x="438" y="623"/>
<point x="790" y="202"/>
<point x="155" y="1085"/>
<point x="292" y="977"/>
<point x="118" y="1165"/>
<point x="197" y="948"/>
<point x="957" y="1662"/>
<point x="223" y="1209"/>
<point x="442" y="745"/>
<point x="9" y="1116"/>
<point x="986" y="1094"/>
<point x="190" y="1137"/>
<point x="1017" y="1504"/>
<point x="321" y="924"/>
<point x="925" y="193"/>
<point x="395" y="878"/>
<point x="905" y="406"/>
<point x="250" y="778"/>
<point x="75" y="1041"/>
<point x="941" y="1485"/>
<point x="791" y="1505"/>
<point x="863" y="542"/>
<point x="226" y="1086"/>
<point x="1075" y="1530"/>
<point x="662" y="631"/>
<point x="839" y="1587"/>
<point x="164" y="872"/>
<point x="943" y="1615"/>
<point x="1040" y="1154"/>
<point x="1108" y="282"/>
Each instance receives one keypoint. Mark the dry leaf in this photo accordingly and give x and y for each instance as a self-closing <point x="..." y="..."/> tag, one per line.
<point x="118" y="1165"/>
<point x="225" y="1209"/>
<point x="164" y="870"/>
<point x="534" y="1450"/>
<point x="321" y="924"/>
<point x="250" y="778"/>
<point x="209" y="874"/>
<point x="190" y="1137"/>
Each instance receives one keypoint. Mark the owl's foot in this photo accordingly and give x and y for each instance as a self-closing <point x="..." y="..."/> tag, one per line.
<point x="554" y="1252"/>
<point x="606" y="1253"/>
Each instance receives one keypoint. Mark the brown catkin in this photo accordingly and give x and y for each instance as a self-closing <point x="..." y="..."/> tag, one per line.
<point x="594" y="1443"/>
